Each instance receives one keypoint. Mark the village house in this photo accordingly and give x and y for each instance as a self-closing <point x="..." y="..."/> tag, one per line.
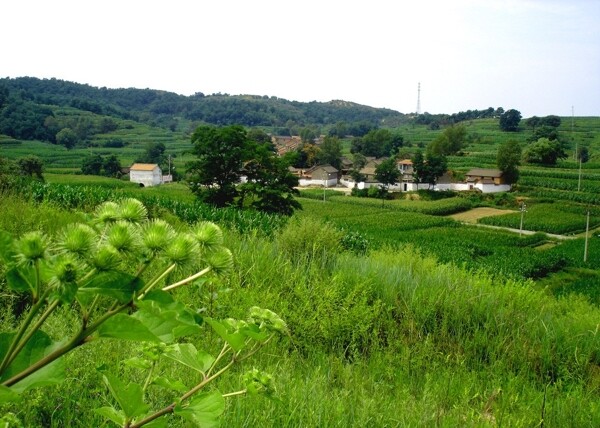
<point x="321" y="175"/>
<point x="145" y="174"/>
<point x="482" y="179"/>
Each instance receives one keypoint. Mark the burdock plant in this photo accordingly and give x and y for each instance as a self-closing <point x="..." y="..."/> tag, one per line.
<point x="116" y="274"/>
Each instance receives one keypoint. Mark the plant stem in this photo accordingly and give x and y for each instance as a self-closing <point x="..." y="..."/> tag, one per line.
<point x="188" y="279"/>
<point x="171" y="407"/>
<point x="32" y="313"/>
<point x="75" y="342"/>
<point x="35" y="328"/>
<point x="153" y="283"/>
<point x="233" y="394"/>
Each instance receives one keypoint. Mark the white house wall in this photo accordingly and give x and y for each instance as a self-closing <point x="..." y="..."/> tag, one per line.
<point x="147" y="178"/>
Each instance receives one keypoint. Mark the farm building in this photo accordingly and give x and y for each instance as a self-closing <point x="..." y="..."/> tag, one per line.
<point x="146" y="174"/>
<point x="322" y="175"/>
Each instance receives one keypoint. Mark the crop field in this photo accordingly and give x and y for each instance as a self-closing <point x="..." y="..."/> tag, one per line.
<point x="551" y="218"/>
<point x="495" y="251"/>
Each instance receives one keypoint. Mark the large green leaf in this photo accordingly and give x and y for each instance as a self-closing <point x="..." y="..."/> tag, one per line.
<point x="118" y="285"/>
<point x="123" y="326"/>
<point x="188" y="355"/>
<point x="19" y="278"/>
<point x="173" y="385"/>
<point x="6" y="246"/>
<point x="34" y="350"/>
<point x="168" y="321"/>
<point x="234" y="339"/>
<point x="7" y="395"/>
<point x="112" y="414"/>
<point x="204" y="409"/>
<point x="130" y="397"/>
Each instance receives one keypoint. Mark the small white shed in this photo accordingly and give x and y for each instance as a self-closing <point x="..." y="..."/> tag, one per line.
<point x="146" y="174"/>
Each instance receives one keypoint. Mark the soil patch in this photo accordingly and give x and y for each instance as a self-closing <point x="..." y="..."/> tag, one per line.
<point x="473" y="215"/>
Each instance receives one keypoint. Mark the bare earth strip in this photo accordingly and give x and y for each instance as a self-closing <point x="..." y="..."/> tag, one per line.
<point x="473" y="215"/>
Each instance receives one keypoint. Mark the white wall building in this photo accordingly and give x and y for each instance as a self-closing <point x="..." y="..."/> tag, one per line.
<point x="145" y="174"/>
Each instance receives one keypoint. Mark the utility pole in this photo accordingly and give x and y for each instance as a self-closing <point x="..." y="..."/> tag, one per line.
<point x="587" y="229"/>
<point x="579" y="181"/>
<point x="419" y="99"/>
<point x="572" y="134"/>
<point x="523" y="210"/>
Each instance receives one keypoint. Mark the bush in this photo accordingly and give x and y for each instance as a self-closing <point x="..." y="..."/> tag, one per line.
<point x="309" y="240"/>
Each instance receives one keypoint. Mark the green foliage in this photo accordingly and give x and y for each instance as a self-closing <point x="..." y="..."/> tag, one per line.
<point x="114" y="273"/>
<point x="509" y="120"/>
<point x="31" y="166"/>
<point x="451" y="142"/>
<point x="67" y="137"/>
<point x="224" y="155"/>
<point x="508" y="160"/>
<point x="545" y="152"/>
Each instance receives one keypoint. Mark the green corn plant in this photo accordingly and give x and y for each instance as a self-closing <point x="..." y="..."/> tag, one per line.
<point x="117" y="272"/>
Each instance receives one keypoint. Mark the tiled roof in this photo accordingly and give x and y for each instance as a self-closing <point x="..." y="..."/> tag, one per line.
<point x="143" y="166"/>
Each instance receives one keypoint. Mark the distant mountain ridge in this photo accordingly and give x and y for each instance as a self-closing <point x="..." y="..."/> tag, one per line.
<point x="218" y="109"/>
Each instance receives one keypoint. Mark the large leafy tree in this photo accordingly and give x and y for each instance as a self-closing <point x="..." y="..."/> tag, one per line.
<point x="270" y="187"/>
<point x="377" y="143"/>
<point x="31" y="166"/>
<point x="153" y="153"/>
<point x="214" y="175"/>
<point x="67" y="137"/>
<point x="545" y="152"/>
<point x="387" y="174"/>
<point x="430" y="168"/>
<point x="450" y="142"/>
<point x="92" y="164"/>
<point x="509" y="120"/>
<point x="227" y="153"/>
<point x="508" y="159"/>
<point x="331" y="152"/>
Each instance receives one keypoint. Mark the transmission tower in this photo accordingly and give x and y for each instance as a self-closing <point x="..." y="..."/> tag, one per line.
<point x="419" y="99"/>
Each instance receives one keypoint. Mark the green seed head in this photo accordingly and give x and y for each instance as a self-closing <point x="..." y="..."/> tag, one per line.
<point x="78" y="239"/>
<point x="31" y="247"/>
<point x="182" y="250"/>
<point x="108" y="212"/>
<point x="106" y="258"/>
<point x="157" y="235"/>
<point x="132" y="210"/>
<point x="123" y="237"/>
<point x="208" y="235"/>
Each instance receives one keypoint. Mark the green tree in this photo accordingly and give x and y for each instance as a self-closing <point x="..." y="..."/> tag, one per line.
<point x="331" y="152"/>
<point x="92" y="164"/>
<point x="270" y="187"/>
<point x="545" y="152"/>
<point x="583" y="154"/>
<point x="430" y="168"/>
<point x="31" y="166"/>
<point x="509" y="120"/>
<point x="508" y="159"/>
<point x="214" y="175"/>
<point x="153" y="153"/>
<point x="67" y="137"/>
<point x="387" y="174"/>
<point x="112" y="166"/>
<point x="452" y="141"/>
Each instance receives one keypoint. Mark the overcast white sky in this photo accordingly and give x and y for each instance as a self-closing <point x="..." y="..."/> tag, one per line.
<point x="540" y="57"/>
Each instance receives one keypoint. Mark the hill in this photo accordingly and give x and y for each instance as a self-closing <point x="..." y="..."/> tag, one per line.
<point x="168" y="109"/>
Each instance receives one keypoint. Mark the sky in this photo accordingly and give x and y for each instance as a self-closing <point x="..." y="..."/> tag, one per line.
<point x="540" y="57"/>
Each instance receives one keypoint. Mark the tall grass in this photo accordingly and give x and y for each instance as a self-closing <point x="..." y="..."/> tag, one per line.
<point x="392" y="338"/>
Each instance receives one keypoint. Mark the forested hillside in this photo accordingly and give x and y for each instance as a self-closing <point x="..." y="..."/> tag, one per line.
<point x="29" y="99"/>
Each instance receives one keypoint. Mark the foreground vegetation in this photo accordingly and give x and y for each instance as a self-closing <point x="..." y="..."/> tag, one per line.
<point x="386" y="337"/>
